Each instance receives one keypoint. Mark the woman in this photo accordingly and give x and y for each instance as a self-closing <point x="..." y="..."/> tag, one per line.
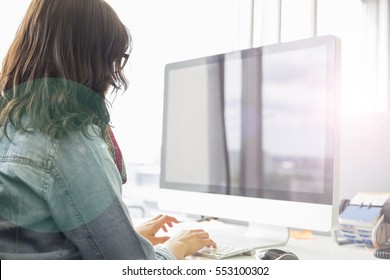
<point x="60" y="167"/>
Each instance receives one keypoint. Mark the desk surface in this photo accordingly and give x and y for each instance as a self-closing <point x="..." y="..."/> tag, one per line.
<point x="325" y="248"/>
<point x="317" y="247"/>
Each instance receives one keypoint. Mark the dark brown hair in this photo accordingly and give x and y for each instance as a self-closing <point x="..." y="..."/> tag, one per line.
<point x="65" y="56"/>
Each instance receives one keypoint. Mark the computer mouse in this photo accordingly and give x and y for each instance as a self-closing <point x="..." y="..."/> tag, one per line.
<point x="275" y="254"/>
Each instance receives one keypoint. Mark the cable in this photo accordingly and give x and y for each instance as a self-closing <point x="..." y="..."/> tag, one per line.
<point x="383" y="252"/>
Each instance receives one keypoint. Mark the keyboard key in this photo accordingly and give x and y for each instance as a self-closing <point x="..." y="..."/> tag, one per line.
<point x="222" y="251"/>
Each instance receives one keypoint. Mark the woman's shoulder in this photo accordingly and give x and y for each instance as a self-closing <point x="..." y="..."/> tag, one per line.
<point x="33" y="147"/>
<point x="89" y="138"/>
<point x="28" y="146"/>
<point x="82" y="148"/>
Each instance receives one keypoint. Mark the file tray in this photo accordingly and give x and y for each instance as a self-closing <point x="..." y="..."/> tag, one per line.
<point x="363" y="220"/>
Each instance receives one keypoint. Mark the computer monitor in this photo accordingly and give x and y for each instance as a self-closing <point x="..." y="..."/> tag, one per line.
<point x="252" y="135"/>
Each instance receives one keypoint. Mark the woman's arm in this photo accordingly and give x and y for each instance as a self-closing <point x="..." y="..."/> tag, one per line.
<point x="84" y="196"/>
<point x="85" y="201"/>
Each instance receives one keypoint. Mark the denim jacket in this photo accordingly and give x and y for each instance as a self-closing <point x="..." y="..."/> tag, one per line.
<point x="61" y="199"/>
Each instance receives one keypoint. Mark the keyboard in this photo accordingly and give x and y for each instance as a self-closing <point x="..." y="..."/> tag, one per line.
<point x="224" y="234"/>
<point x="223" y="251"/>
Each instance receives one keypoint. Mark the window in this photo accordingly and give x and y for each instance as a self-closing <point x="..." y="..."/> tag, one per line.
<point x="362" y="26"/>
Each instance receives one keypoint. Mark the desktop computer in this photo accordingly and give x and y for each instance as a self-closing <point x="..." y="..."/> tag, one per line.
<point x="253" y="135"/>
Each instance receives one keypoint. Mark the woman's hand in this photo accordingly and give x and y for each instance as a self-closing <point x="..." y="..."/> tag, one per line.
<point x="150" y="228"/>
<point x="189" y="242"/>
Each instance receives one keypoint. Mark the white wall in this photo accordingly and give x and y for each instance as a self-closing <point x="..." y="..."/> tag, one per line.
<point x="12" y="13"/>
<point x="365" y="153"/>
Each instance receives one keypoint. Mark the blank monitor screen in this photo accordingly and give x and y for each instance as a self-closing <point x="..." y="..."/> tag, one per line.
<point x="255" y="123"/>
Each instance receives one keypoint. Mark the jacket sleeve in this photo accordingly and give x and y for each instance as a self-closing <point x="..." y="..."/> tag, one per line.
<point x="84" y="196"/>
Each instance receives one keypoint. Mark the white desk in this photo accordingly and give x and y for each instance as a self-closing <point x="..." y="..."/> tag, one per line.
<point x="320" y="247"/>
<point x="325" y="248"/>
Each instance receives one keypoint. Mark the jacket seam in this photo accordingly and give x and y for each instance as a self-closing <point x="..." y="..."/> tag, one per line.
<point x="49" y="161"/>
<point x="23" y="161"/>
